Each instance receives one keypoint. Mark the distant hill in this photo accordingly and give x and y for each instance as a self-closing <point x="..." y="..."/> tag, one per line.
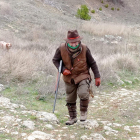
<point x="127" y="11"/>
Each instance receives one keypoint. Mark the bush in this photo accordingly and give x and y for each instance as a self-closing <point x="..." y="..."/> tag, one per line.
<point x="106" y="6"/>
<point x="102" y="1"/>
<point x="83" y="13"/>
<point x="112" y="8"/>
<point x="100" y="8"/>
<point x="92" y="11"/>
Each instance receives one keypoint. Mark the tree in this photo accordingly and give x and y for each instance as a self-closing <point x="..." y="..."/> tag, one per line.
<point x="83" y="13"/>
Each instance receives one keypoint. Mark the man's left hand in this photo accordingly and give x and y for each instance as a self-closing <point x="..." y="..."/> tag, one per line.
<point x="97" y="81"/>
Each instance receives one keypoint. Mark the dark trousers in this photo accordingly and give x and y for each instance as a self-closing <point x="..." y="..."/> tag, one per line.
<point x="81" y="89"/>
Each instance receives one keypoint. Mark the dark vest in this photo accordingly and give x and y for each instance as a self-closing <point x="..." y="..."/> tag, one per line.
<point x="79" y="69"/>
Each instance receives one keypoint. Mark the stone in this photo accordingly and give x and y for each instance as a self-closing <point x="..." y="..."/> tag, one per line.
<point x="84" y="137"/>
<point x="1" y="87"/>
<point x="8" y="119"/>
<point x="88" y="124"/>
<point x="109" y="37"/>
<point x="48" y="117"/>
<point x="40" y="136"/>
<point x="96" y="136"/>
<point x="127" y="128"/>
<point x="110" y="131"/>
<point x="49" y="126"/>
<point x="114" y="42"/>
<point x="29" y="124"/>
<point x="118" y="38"/>
<point x="23" y="134"/>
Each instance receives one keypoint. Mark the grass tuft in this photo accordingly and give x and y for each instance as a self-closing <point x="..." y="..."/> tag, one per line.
<point x="100" y="8"/>
<point x="92" y="11"/>
<point x="106" y="6"/>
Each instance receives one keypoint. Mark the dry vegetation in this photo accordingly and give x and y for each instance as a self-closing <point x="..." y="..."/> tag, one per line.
<point x="34" y="44"/>
<point x="106" y="28"/>
<point x="5" y="8"/>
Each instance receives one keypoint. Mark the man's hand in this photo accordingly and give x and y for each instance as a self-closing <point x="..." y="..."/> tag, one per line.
<point x="66" y="72"/>
<point x="97" y="82"/>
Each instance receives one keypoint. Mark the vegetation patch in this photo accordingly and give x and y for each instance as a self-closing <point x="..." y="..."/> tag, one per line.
<point x="100" y="8"/>
<point x="112" y="8"/>
<point x="102" y="1"/>
<point x="83" y="13"/>
<point x="106" y="6"/>
<point x="92" y="11"/>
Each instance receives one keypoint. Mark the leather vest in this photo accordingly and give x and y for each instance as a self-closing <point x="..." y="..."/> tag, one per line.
<point x="79" y="68"/>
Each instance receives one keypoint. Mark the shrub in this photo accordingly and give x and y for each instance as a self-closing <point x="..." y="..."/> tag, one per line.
<point x="100" y="8"/>
<point x="83" y="13"/>
<point x="126" y="62"/>
<point x="106" y="6"/>
<point x="102" y="1"/>
<point x="118" y="9"/>
<point x="112" y="8"/>
<point x="92" y="11"/>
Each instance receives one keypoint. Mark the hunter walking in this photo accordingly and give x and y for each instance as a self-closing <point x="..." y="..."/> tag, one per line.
<point x="77" y="60"/>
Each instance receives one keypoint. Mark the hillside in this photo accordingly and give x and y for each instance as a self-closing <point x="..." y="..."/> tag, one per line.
<point x="35" y="28"/>
<point x="129" y="12"/>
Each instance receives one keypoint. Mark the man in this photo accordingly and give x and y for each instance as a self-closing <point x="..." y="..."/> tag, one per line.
<point x="77" y="60"/>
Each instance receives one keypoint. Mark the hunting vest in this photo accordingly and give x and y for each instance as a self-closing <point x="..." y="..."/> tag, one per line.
<point x="79" y="68"/>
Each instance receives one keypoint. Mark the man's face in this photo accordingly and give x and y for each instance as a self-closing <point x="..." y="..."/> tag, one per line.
<point x="74" y="44"/>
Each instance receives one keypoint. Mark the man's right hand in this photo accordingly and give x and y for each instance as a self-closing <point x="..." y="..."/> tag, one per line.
<point x="97" y="82"/>
<point x="66" y="72"/>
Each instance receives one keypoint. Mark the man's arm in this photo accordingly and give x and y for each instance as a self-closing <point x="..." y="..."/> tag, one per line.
<point x="56" y="59"/>
<point x="92" y="64"/>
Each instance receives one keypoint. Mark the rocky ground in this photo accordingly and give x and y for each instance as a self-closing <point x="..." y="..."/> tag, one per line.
<point x="111" y="116"/>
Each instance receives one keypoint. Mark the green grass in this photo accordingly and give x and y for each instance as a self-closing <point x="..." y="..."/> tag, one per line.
<point x="102" y="1"/>
<point x="106" y="6"/>
<point x="130" y="80"/>
<point x="118" y="9"/>
<point x="5" y="136"/>
<point x="92" y="11"/>
<point x="112" y="8"/>
<point x="32" y="117"/>
<point x="26" y="98"/>
<point x="100" y="8"/>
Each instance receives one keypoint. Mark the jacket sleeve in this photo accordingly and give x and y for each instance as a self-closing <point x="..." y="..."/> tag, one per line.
<point x="56" y="59"/>
<point x="92" y="64"/>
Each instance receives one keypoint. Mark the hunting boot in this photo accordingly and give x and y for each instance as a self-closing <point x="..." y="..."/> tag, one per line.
<point x="83" y="109"/>
<point x="72" y="113"/>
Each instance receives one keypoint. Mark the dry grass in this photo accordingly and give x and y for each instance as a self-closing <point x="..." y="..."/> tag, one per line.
<point x="110" y="65"/>
<point x="24" y="65"/>
<point x="18" y="65"/>
<point x="120" y="62"/>
<point x="7" y="36"/>
<point x="106" y="28"/>
<point x="5" y="8"/>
